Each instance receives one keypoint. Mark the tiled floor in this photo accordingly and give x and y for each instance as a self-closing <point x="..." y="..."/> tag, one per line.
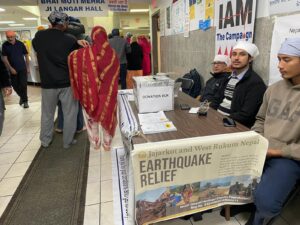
<point x="20" y="142"/>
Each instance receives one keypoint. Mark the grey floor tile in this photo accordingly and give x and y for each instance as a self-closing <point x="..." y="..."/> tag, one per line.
<point x="281" y="221"/>
<point x="3" y="203"/>
<point x="242" y="217"/>
<point x="8" y="158"/>
<point x="175" y="222"/>
<point x="92" y="215"/>
<point x="93" y="174"/>
<point x="107" y="212"/>
<point x="214" y="218"/>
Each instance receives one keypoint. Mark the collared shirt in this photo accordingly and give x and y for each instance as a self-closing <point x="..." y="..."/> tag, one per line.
<point x="241" y="75"/>
<point x="15" y="54"/>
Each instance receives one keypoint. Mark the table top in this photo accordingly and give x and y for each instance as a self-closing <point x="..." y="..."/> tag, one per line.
<point x="189" y="125"/>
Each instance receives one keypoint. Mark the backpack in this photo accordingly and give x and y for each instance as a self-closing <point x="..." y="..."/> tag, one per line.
<point x="195" y="76"/>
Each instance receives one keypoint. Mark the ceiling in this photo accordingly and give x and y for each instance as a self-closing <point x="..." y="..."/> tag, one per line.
<point x="16" y="10"/>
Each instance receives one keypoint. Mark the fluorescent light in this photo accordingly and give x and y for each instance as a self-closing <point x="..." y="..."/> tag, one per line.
<point x="2" y="10"/>
<point x="6" y="22"/>
<point x="30" y="18"/>
<point x="139" y="10"/>
<point x="16" y="25"/>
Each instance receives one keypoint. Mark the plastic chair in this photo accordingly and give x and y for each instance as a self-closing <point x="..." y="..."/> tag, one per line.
<point x="186" y="84"/>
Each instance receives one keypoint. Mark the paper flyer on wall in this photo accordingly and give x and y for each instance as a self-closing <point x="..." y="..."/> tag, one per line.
<point x="180" y="177"/>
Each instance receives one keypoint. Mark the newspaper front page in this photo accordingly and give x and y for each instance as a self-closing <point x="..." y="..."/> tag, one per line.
<point x="180" y="177"/>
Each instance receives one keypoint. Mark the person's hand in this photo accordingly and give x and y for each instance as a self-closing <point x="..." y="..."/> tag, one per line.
<point x="83" y="43"/>
<point x="7" y="91"/>
<point x="273" y="153"/>
<point x="13" y="71"/>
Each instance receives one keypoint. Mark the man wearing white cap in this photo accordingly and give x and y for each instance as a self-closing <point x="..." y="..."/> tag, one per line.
<point x="244" y="91"/>
<point x="278" y="120"/>
<point x="215" y="85"/>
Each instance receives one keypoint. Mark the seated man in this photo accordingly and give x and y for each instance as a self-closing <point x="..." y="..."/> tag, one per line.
<point x="244" y="91"/>
<point x="220" y="73"/>
<point x="277" y="121"/>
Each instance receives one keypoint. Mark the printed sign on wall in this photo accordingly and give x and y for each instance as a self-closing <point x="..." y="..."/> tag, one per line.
<point x="234" y="21"/>
<point x="284" y="6"/>
<point x="178" y="17"/>
<point x="76" y="8"/>
<point x="118" y="5"/>
<point x="284" y="27"/>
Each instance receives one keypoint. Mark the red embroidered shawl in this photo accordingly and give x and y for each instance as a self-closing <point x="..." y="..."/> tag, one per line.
<point x="94" y="74"/>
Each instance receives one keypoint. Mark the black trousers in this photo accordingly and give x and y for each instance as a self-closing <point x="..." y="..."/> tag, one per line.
<point x="123" y="73"/>
<point x="19" y="83"/>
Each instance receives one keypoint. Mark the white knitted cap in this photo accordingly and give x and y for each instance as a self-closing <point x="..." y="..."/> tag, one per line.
<point x="248" y="47"/>
<point x="223" y="58"/>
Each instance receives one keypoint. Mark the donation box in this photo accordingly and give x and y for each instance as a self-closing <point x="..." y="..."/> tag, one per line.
<point x="153" y="93"/>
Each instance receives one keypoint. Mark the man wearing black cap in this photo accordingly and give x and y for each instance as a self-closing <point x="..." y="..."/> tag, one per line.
<point x="53" y="47"/>
<point x="122" y="47"/>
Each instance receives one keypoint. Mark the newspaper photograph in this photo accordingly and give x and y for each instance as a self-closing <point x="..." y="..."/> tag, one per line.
<point x="180" y="177"/>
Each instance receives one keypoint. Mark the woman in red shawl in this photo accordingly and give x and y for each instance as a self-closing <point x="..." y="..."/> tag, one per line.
<point x="146" y="46"/>
<point x="94" y="73"/>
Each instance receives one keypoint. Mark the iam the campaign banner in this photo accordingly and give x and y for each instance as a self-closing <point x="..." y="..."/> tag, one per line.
<point x="234" y="21"/>
<point x="76" y="8"/>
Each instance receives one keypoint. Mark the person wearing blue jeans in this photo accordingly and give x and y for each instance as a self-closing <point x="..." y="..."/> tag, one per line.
<point x="60" y="119"/>
<point x="278" y="120"/>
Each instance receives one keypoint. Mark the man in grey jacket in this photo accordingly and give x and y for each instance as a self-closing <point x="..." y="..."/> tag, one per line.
<point x="122" y="47"/>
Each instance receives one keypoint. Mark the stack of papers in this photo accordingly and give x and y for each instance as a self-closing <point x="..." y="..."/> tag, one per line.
<point x="152" y="123"/>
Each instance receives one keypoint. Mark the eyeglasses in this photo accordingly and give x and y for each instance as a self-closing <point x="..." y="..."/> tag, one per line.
<point x="10" y="36"/>
<point x="217" y="63"/>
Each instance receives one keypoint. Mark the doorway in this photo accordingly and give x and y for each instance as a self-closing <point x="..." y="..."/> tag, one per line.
<point x="155" y="43"/>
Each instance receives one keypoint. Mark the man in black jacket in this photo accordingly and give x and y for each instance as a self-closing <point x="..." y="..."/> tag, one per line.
<point x="5" y="90"/>
<point x="53" y="47"/>
<point x="220" y="73"/>
<point x="244" y="91"/>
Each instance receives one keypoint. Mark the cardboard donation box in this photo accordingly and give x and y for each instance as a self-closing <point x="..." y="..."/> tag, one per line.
<point x="153" y="93"/>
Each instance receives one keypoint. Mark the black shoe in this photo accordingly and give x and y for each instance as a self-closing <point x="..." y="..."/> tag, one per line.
<point x="236" y="209"/>
<point x="25" y="105"/>
<point x="20" y="102"/>
<point x="197" y="216"/>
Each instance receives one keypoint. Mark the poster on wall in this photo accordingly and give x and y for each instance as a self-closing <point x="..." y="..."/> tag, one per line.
<point x="181" y="177"/>
<point x="234" y="21"/>
<point x="201" y="14"/>
<point x="178" y="16"/>
<point x="284" y="27"/>
<point x="76" y="8"/>
<point x="283" y="6"/>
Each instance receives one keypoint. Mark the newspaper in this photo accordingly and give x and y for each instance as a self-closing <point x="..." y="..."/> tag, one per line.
<point x="180" y="177"/>
<point x="120" y="185"/>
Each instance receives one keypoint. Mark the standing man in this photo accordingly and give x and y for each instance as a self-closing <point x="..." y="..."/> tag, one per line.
<point x="13" y="52"/>
<point x="278" y="120"/>
<point x="5" y="89"/>
<point x="245" y="89"/>
<point x="53" y="47"/>
<point x="216" y="84"/>
<point x="122" y="47"/>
